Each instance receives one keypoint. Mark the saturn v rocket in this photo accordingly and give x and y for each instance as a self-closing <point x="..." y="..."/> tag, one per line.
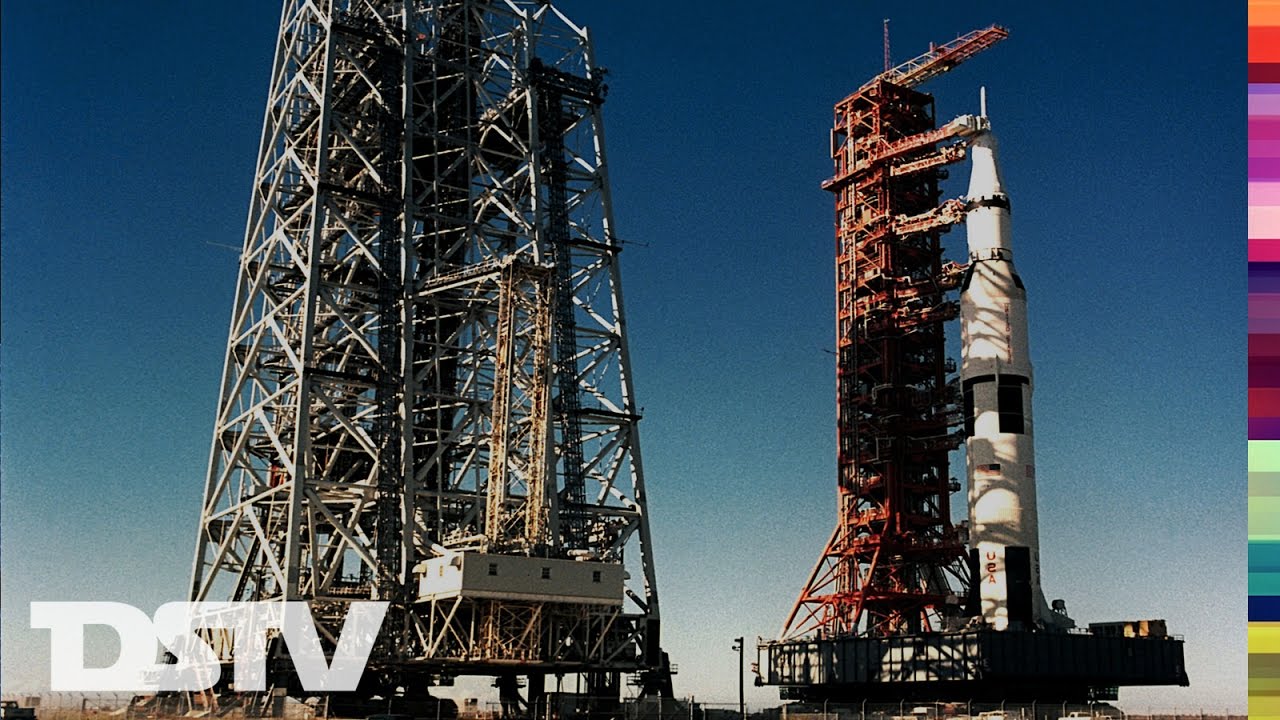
<point x="996" y="381"/>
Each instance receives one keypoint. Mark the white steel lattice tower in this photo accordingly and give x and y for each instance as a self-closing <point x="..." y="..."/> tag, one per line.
<point x="427" y="396"/>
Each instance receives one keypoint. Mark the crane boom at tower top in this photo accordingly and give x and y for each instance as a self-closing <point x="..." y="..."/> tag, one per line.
<point x="940" y="58"/>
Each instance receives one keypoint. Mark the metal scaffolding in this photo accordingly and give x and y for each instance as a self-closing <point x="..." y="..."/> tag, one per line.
<point x="427" y="355"/>
<point x="895" y="562"/>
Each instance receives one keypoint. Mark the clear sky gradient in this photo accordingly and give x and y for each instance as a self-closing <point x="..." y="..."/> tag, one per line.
<point x="129" y="138"/>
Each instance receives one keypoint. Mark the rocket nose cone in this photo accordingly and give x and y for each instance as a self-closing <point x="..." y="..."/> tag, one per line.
<point x="984" y="180"/>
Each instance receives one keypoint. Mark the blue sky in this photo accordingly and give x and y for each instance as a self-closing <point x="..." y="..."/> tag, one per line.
<point x="129" y="133"/>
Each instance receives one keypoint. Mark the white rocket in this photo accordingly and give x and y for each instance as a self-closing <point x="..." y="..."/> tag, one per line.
<point x="996" y="381"/>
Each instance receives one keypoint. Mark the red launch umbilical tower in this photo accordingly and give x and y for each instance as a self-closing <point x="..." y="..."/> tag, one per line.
<point x="895" y="562"/>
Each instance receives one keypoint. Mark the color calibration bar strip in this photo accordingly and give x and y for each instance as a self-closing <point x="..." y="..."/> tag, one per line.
<point x="1264" y="358"/>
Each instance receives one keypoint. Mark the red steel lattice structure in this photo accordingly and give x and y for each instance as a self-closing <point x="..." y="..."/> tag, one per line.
<point x="894" y="563"/>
